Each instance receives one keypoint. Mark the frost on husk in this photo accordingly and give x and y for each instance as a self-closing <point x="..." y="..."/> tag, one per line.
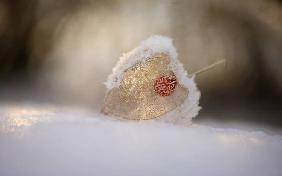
<point x="149" y="48"/>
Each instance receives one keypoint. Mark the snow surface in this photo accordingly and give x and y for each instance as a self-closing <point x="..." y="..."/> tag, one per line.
<point x="39" y="140"/>
<point x="147" y="49"/>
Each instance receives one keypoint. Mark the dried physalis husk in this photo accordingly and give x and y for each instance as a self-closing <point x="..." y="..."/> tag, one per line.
<point x="148" y="90"/>
<point x="150" y="82"/>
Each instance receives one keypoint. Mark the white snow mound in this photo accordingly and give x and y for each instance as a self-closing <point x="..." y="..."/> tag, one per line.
<point x="47" y="141"/>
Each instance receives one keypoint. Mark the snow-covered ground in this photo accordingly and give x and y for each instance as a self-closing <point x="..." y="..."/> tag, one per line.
<point x="39" y="139"/>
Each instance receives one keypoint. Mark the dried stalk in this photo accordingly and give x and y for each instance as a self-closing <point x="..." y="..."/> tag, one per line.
<point x="223" y="61"/>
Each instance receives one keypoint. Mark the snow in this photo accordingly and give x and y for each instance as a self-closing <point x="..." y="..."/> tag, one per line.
<point x="38" y="139"/>
<point x="147" y="49"/>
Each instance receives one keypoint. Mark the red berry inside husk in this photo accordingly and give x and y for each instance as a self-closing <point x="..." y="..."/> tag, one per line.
<point x="165" y="85"/>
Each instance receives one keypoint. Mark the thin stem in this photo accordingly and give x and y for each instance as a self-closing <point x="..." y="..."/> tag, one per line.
<point x="223" y="61"/>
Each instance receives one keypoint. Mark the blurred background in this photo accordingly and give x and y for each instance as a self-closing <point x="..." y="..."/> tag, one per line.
<point x="61" y="51"/>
